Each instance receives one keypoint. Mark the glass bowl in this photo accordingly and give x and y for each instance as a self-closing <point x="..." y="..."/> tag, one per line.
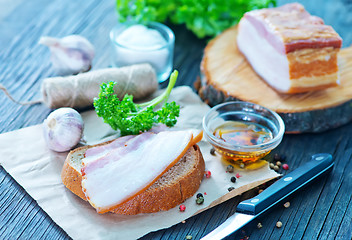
<point x="152" y="51"/>
<point x="243" y="131"/>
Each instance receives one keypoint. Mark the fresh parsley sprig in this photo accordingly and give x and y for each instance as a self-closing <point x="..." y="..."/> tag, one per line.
<point x="131" y="118"/>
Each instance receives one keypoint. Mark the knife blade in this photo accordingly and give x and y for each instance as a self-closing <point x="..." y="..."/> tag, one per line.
<point x="248" y="210"/>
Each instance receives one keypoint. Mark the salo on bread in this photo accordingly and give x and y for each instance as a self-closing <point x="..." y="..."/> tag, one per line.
<point x="179" y="181"/>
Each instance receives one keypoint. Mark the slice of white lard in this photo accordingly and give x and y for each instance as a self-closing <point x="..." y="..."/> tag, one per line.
<point x="99" y="151"/>
<point x="128" y="170"/>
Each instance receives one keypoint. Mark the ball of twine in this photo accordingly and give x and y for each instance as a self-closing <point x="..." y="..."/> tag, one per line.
<point x="79" y="91"/>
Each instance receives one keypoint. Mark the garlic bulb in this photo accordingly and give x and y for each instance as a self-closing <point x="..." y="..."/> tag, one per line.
<point x="70" y="55"/>
<point x="63" y="129"/>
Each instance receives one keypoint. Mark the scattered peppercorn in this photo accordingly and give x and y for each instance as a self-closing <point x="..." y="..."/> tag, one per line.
<point x="182" y="208"/>
<point x="271" y="165"/>
<point x="285" y="166"/>
<point x="183" y="221"/>
<point x="230" y="189"/>
<point x="230" y="168"/>
<point x="242" y="165"/>
<point x="259" y="225"/>
<point x="189" y="237"/>
<point x="207" y="174"/>
<point x="199" y="195"/>
<point x="276" y="168"/>
<point x="238" y="175"/>
<point x="205" y="193"/>
<point x="200" y="200"/>
<point x="279" y="224"/>
<point x="260" y="191"/>
<point x="278" y="163"/>
<point x="212" y="151"/>
<point x="287" y="204"/>
<point x="233" y="179"/>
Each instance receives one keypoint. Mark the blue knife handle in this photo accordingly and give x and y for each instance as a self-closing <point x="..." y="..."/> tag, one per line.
<point x="288" y="184"/>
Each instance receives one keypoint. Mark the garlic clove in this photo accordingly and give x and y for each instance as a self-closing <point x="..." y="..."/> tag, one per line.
<point x="69" y="55"/>
<point x="63" y="129"/>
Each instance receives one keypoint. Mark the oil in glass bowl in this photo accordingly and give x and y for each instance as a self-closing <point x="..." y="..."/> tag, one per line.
<point x="243" y="132"/>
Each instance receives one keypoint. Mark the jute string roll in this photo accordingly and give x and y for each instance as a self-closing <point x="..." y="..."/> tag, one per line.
<point x="79" y="91"/>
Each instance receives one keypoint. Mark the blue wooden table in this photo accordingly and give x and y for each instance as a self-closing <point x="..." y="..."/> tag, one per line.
<point x="321" y="211"/>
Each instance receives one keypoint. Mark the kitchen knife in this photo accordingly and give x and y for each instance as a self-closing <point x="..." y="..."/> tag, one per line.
<point x="250" y="209"/>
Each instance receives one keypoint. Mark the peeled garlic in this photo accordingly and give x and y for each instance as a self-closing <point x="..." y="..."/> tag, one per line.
<point x="70" y="55"/>
<point x="63" y="129"/>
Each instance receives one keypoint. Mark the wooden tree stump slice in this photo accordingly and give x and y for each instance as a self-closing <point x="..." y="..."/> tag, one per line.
<point x="227" y="76"/>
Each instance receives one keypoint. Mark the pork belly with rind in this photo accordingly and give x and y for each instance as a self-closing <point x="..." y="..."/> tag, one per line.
<point x="173" y="183"/>
<point x="290" y="49"/>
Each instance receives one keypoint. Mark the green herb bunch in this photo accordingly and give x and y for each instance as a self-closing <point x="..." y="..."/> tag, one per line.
<point x="203" y="17"/>
<point x="131" y="118"/>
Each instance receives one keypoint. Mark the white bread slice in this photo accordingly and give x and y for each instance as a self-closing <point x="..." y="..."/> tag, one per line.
<point x="171" y="189"/>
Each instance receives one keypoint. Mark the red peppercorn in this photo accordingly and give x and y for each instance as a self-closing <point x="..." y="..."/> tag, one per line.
<point x="182" y="208"/>
<point x="207" y="174"/>
<point x="238" y="175"/>
<point x="285" y="166"/>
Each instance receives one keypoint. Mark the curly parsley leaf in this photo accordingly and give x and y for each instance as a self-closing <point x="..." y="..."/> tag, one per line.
<point x="131" y="118"/>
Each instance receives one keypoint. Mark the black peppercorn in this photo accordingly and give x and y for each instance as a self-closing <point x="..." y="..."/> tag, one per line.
<point x="212" y="151"/>
<point x="230" y="189"/>
<point x="233" y="179"/>
<point x="199" y="195"/>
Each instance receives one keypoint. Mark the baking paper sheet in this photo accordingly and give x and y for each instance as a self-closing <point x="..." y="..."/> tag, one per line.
<point x="24" y="155"/>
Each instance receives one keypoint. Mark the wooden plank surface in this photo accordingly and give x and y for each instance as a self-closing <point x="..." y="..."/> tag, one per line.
<point x="321" y="211"/>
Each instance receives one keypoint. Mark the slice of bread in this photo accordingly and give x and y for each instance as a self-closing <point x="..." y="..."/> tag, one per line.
<point x="171" y="189"/>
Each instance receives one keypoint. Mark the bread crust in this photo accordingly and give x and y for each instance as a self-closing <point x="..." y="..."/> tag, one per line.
<point x="72" y="177"/>
<point x="158" y="197"/>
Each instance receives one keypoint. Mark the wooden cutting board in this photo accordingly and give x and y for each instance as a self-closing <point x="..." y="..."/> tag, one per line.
<point x="227" y="76"/>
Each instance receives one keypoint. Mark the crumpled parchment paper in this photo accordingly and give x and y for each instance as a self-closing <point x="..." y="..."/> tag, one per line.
<point x="25" y="156"/>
